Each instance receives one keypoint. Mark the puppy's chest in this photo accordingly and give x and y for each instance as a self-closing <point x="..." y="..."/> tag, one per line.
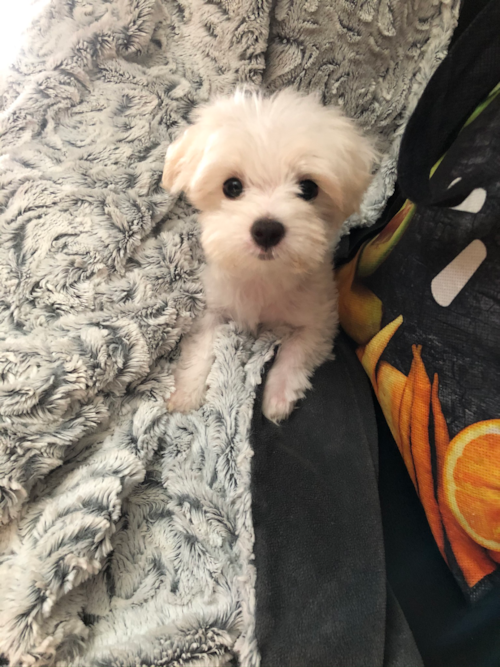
<point x="254" y="304"/>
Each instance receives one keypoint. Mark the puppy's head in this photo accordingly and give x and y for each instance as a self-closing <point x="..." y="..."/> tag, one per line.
<point x="273" y="179"/>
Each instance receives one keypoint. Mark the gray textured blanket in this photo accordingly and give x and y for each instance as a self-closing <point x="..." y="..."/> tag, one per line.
<point x="126" y="534"/>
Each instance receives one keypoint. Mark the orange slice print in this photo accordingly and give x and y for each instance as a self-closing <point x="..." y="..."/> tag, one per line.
<point x="407" y="403"/>
<point x="472" y="482"/>
<point x="471" y="558"/>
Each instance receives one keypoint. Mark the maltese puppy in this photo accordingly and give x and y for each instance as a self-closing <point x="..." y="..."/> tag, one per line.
<point x="273" y="178"/>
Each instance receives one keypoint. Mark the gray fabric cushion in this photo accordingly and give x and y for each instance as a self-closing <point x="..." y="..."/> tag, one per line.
<point x="321" y="585"/>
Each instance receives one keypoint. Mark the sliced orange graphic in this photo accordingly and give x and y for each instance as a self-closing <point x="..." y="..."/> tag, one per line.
<point x="471" y="558"/>
<point x="472" y="482"/>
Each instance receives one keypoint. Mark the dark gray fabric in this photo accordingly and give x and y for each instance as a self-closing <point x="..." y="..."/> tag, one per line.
<point x="398" y="637"/>
<point x="321" y="583"/>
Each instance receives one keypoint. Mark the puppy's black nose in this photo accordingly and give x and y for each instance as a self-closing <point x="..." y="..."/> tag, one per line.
<point x="267" y="232"/>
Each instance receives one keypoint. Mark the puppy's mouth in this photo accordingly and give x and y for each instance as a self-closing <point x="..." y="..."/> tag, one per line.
<point x="266" y="255"/>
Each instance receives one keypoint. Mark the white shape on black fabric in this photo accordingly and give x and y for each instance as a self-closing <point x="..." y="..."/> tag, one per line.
<point x="473" y="203"/>
<point x="454" y="182"/>
<point x="454" y="277"/>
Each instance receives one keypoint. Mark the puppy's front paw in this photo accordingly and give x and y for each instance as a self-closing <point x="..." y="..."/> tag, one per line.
<point x="283" y="389"/>
<point x="276" y="408"/>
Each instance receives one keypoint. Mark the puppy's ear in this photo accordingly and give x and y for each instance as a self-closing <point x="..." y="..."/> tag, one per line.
<point x="348" y="168"/>
<point x="359" y="158"/>
<point x="182" y="160"/>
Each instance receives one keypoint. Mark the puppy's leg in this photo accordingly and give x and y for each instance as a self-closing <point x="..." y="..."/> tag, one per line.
<point x="299" y="356"/>
<point x="190" y="375"/>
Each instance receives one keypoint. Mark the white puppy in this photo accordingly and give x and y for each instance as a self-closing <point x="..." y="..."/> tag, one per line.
<point x="273" y="179"/>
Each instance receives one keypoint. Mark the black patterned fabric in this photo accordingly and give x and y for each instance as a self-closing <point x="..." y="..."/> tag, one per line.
<point x="421" y="299"/>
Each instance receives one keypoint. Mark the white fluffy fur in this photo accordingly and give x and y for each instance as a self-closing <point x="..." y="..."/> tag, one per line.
<point x="270" y="144"/>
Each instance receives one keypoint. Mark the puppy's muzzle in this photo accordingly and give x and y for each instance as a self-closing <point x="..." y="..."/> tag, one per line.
<point x="267" y="233"/>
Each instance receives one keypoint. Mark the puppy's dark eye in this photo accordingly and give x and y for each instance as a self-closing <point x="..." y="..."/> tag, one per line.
<point x="232" y="188"/>
<point x="308" y="190"/>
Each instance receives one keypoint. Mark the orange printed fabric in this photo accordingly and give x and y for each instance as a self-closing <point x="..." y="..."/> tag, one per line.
<point x="461" y="496"/>
<point x="422" y="301"/>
